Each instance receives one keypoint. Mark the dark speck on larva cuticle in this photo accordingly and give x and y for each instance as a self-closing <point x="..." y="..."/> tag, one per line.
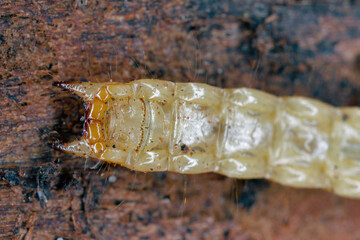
<point x="184" y="148"/>
<point x="345" y="117"/>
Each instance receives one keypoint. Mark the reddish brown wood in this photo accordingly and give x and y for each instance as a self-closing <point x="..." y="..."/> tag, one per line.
<point x="294" y="48"/>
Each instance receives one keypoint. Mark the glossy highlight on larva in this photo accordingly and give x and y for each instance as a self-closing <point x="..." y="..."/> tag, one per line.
<point x="153" y="125"/>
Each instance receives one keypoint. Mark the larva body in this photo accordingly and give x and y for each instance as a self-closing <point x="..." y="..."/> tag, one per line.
<point x="153" y="125"/>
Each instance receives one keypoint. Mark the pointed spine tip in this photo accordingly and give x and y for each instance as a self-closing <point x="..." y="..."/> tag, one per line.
<point x="57" y="84"/>
<point x="57" y="145"/>
<point x="63" y="84"/>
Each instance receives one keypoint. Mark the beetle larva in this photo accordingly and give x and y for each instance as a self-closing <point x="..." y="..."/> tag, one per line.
<point x="153" y="125"/>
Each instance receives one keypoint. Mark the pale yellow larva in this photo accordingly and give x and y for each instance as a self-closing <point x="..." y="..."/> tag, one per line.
<point x="153" y="125"/>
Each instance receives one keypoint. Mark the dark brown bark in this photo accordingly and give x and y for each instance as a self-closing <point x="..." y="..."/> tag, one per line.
<point x="309" y="48"/>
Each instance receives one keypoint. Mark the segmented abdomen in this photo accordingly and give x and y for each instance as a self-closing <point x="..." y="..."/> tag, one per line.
<point x="240" y="133"/>
<point x="245" y="133"/>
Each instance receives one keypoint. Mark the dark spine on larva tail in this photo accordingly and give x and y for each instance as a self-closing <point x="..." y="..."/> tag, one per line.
<point x="241" y="133"/>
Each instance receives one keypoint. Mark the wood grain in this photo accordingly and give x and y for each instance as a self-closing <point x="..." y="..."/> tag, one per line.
<point x="295" y="48"/>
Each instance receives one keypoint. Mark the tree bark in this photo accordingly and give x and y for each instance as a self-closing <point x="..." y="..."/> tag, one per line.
<point x="297" y="48"/>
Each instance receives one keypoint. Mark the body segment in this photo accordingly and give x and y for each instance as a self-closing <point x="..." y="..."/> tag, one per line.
<point x="154" y="125"/>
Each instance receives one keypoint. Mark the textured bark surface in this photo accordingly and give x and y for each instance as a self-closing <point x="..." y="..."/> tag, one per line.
<point x="296" y="48"/>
